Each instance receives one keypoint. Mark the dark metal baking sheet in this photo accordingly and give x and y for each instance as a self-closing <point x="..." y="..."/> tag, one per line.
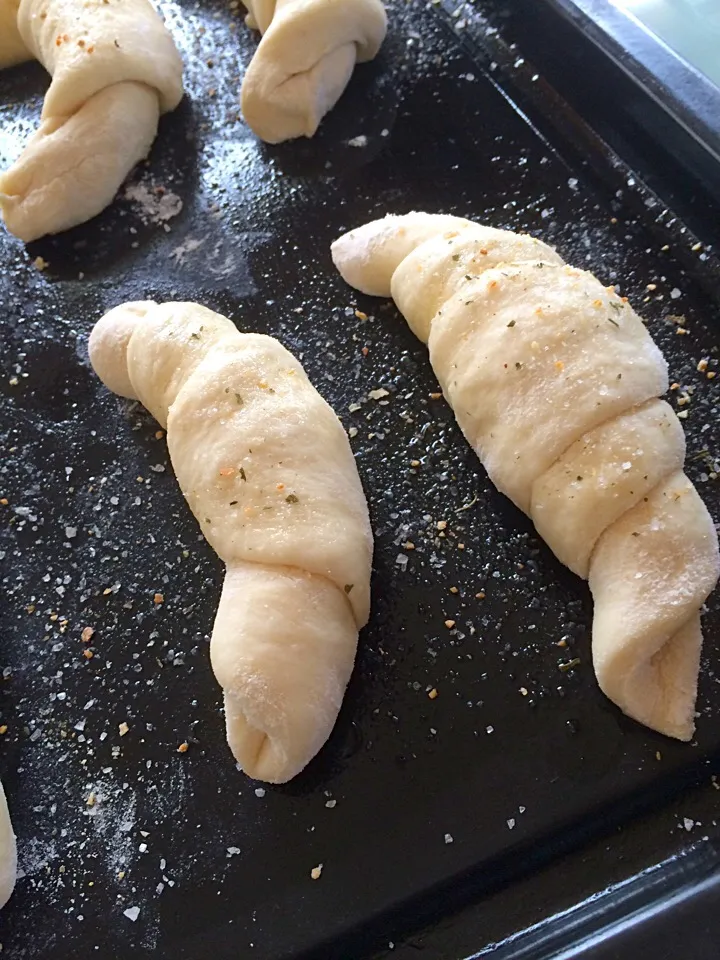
<point x="434" y="797"/>
<point x="651" y="108"/>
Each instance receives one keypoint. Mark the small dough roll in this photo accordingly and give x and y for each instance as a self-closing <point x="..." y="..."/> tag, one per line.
<point x="555" y="381"/>
<point x="114" y="69"/>
<point x="304" y="61"/>
<point x="266" y="468"/>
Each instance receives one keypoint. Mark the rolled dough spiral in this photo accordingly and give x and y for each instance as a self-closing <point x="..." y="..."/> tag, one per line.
<point x="304" y="61"/>
<point x="267" y="469"/>
<point x="115" y="69"/>
<point x="555" y="381"/>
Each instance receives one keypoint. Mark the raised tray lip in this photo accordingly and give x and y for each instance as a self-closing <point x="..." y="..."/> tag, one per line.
<point x="618" y="912"/>
<point x="682" y="90"/>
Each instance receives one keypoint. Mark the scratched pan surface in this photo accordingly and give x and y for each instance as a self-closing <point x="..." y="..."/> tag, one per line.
<point x="129" y="847"/>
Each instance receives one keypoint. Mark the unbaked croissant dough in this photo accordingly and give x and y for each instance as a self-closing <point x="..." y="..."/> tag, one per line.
<point x="304" y="61"/>
<point x="554" y="381"/>
<point x="267" y="469"/>
<point x="115" y="69"/>
<point x="8" y="852"/>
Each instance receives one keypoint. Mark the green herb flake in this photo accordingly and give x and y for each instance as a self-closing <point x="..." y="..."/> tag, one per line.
<point x="348" y="587"/>
<point x="242" y="474"/>
<point x="194" y="336"/>
<point x="456" y="257"/>
<point x="233" y="503"/>
<point x="291" y="498"/>
<point x="239" y="400"/>
<point x="616" y="305"/>
<point x="613" y="322"/>
<point x="518" y="365"/>
<point x="512" y="323"/>
<point x="569" y="665"/>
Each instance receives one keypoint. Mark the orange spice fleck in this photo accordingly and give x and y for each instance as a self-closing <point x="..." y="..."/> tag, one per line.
<point x="433" y="694"/>
<point x="183" y="748"/>
<point x="158" y="598"/>
<point x="559" y="365"/>
<point x="87" y="634"/>
<point x="88" y="654"/>
<point x="227" y="472"/>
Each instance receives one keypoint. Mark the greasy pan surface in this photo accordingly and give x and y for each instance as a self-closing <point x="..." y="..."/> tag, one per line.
<point x="410" y="792"/>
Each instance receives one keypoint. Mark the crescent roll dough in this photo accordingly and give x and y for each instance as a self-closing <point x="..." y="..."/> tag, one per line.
<point x="8" y="852"/>
<point x="115" y="69"/>
<point x="267" y="469"/>
<point x="554" y="381"/>
<point x="304" y="61"/>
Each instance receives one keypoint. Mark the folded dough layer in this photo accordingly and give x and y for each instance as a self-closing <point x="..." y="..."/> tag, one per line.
<point x="58" y="183"/>
<point x="304" y="61"/>
<point x="554" y="381"/>
<point x="267" y="469"/>
<point x="650" y="574"/>
<point x="114" y="70"/>
<point x="12" y="48"/>
<point x="284" y="661"/>
<point x="88" y="45"/>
